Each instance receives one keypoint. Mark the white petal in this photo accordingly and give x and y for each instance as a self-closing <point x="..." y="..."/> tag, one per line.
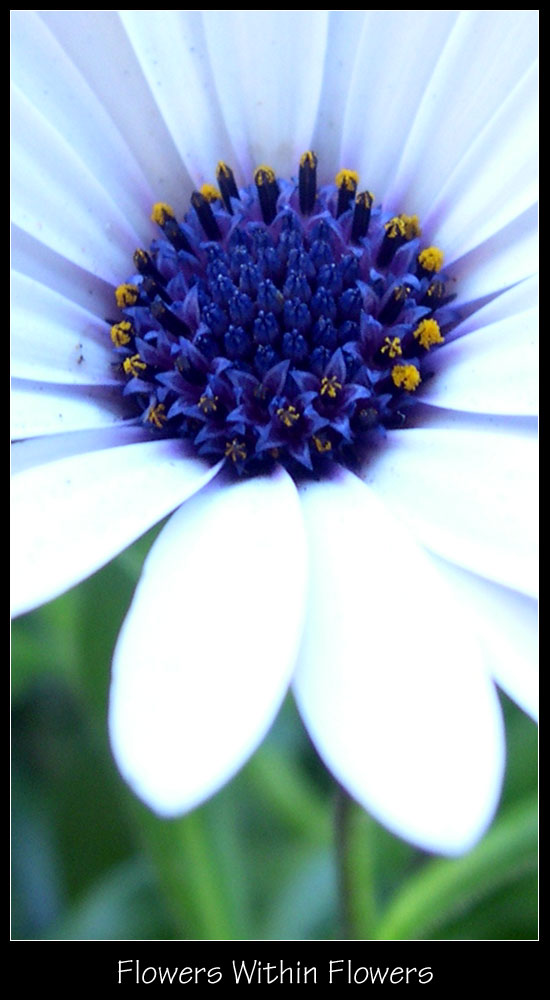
<point x="40" y="262"/>
<point x="56" y="340"/>
<point x="506" y="623"/>
<point x="518" y="299"/>
<point x="462" y="97"/>
<point x="493" y="370"/>
<point x="90" y="508"/>
<point x="495" y="182"/>
<point x="42" y="408"/>
<point x="172" y="54"/>
<point x="38" y="451"/>
<point x="97" y="43"/>
<point x="73" y="109"/>
<point x="469" y="495"/>
<point x="269" y="85"/>
<point x="56" y="199"/>
<point x="387" y="85"/>
<point x="344" y="33"/>
<point x="391" y="689"/>
<point x="510" y="256"/>
<point x="207" y="649"/>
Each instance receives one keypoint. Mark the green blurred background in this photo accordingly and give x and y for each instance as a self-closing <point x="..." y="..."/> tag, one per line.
<point x="260" y="860"/>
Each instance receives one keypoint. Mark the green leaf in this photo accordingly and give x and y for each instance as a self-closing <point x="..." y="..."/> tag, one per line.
<point x="446" y="889"/>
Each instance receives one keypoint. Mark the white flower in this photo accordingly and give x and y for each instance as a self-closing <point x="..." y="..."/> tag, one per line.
<point x="392" y="604"/>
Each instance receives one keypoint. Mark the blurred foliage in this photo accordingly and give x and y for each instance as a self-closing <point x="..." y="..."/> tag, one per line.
<point x="259" y="860"/>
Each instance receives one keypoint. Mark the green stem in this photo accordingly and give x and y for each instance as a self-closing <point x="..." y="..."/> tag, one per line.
<point x="353" y="833"/>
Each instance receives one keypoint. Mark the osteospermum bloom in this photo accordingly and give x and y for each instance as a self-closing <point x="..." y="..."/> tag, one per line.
<point x="392" y="595"/>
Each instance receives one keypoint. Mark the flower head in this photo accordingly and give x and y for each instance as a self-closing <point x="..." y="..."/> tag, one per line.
<point x="378" y="591"/>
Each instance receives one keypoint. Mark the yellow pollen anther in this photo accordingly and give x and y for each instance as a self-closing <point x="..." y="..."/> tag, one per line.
<point x="406" y="377"/>
<point x="126" y="295"/>
<point x="366" y="199"/>
<point x="140" y="257"/>
<point x="322" y="444"/>
<point x="157" y="415"/>
<point x="161" y="212"/>
<point x="330" y="386"/>
<point x="208" y="404"/>
<point x="431" y="259"/>
<point x="210" y="192"/>
<point x="428" y="333"/>
<point x="235" y="450"/>
<point x="133" y="365"/>
<point x="264" y="175"/>
<point x="436" y="288"/>
<point x="395" y="227"/>
<point x="391" y="347"/>
<point x="222" y="170"/>
<point x="309" y="158"/>
<point x="121" y="333"/>
<point x="288" y="415"/>
<point x="412" y="227"/>
<point x="347" y="179"/>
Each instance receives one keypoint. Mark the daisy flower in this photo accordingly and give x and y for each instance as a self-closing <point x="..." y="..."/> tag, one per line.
<point x="392" y="589"/>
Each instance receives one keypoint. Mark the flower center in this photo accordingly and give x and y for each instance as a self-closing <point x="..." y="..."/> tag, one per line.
<point x="281" y="322"/>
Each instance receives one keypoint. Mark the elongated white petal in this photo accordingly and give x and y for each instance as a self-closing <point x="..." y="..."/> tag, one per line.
<point x="467" y="209"/>
<point x="344" y="34"/>
<point x="72" y="515"/>
<point x="394" y="694"/>
<point x="207" y="649"/>
<point x="56" y="198"/>
<point x="469" y="495"/>
<point x="97" y="43"/>
<point x="506" y="624"/>
<point x="42" y="408"/>
<point x="38" y="451"/>
<point x="520" y="298"/>
<point x="494" y="370"/>
<point x="507" y="257"/>
<point x="386" y="90"/>
<point x="56" y="340"/>
<point x="44" y="265"/>
<point x="269" y="86"/>
<point x="462" y="98"/>
<point x="171" y="48"/>
<point x="72" y="108"/>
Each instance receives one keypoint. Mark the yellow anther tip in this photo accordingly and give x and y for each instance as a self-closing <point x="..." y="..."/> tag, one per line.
<point x="157" y="415"/>
<point x="322" y="445"/>
<point x="431" y="259"/>
<point x="222" y="170"/>
<point x="121" y="333"/>
<point x="348" y="179"/>
<point x="406" y="377"/>
<point x="392" y="346"/>
<point x="133" y="365"/>
<point x="428" y="333"/>
<point x="126" y="295"/>
<point x="161" y="212"/>
<point x="412" y="227"/>
<point x="264" y="175"/>
<point x="308" y="159"/>
<point x="235" y="450"/>
<point x="365" y="198"/>
<point x="210" y="192"/>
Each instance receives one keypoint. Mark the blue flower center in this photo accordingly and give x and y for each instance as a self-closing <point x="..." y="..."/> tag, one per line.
<point x="280" y="323"/>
